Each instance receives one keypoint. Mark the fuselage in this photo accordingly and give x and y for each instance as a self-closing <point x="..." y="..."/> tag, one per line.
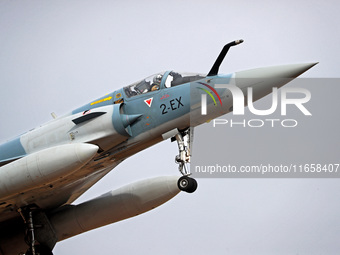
<point x="125" y="122"/>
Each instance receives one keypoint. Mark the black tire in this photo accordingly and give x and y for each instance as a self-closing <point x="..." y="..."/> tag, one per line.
<point x="187" y="184"/>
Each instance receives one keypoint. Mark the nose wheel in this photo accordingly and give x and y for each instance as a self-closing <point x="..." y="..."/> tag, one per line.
<point x="187" y="184"/>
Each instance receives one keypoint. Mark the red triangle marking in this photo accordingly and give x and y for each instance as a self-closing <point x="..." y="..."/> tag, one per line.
<point x="148" y="101"/>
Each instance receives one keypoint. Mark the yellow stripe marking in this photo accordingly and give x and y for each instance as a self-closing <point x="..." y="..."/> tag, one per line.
<point x="101" y="100"/>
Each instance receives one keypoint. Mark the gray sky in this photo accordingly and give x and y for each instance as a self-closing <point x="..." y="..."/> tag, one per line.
<point x="56" y="56"/>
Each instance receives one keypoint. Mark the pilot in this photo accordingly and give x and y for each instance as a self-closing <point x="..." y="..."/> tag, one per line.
<point x="156" y="82"/>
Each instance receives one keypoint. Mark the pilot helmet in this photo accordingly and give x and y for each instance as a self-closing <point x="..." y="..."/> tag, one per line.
<point x="157" y="79"/>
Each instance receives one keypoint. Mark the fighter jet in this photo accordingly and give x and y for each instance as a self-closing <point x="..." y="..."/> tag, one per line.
<point x="43" y="171"/>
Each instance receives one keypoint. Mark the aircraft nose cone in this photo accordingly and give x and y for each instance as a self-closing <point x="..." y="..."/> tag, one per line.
<point x="263" y="80"/>
<point x="284" y="71"/>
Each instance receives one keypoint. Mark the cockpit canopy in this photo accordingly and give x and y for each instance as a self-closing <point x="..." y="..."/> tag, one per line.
<point x="159" y="81"/>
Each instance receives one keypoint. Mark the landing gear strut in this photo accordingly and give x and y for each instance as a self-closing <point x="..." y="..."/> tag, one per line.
<point x="184" y="140"/>
<point x="36" y="248"/>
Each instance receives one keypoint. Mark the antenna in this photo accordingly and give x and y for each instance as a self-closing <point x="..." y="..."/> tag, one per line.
<point x="54" y="115"/>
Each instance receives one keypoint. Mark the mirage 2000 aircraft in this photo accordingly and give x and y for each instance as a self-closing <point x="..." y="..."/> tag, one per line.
<point x="43" y="171"/>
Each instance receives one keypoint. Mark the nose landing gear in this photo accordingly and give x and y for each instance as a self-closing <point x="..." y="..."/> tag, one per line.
<point x="184" y="141"/>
